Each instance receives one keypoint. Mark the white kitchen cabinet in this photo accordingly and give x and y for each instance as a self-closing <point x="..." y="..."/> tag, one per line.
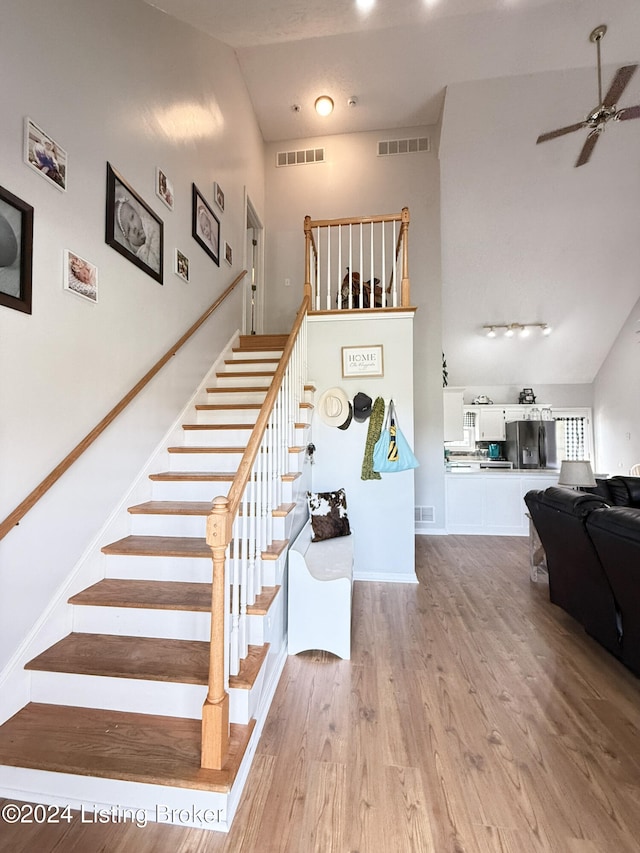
<point x="452" y="400"/>
<point x="491" y="503"/>
<point x="525" y="412"/>
<point x="490" y="423"/>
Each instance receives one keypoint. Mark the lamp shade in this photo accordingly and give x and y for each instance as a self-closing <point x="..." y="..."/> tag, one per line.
<point x="577" y="472"/>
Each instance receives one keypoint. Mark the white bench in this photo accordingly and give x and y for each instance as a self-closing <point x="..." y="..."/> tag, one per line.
<point x="320" y="581"/>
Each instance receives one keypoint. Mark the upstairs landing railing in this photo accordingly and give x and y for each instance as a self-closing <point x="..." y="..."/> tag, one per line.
<point x="240" y="531"/>
<point x="357" y="263"/>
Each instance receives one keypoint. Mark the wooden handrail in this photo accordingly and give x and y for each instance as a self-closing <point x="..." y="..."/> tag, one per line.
<point x="215" y="710"/>
<point x="357" y="220"/>
<point x="33" y="497"/>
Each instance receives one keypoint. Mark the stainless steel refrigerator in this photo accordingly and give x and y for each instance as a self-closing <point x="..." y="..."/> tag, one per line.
<point x="531" y="444"/>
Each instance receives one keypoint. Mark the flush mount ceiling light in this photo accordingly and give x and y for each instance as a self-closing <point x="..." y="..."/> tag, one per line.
<point x="324" y="105"/>
<point x="523" y="329"/>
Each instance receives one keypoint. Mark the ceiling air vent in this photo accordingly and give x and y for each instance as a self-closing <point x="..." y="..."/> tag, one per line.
<point x="403" y="146"/>
<point x="300" y="158"/>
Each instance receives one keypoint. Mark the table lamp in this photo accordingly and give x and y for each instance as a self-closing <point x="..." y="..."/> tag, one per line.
<point x="576" y="473"/>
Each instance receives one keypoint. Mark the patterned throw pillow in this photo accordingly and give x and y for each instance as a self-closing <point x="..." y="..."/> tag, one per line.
<point x="328" y="514"/>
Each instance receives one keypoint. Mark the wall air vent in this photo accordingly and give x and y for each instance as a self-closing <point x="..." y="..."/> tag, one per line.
<point x="424" y="515"/>
<point x="300" y="158"/>
<point x="403" y="146"/>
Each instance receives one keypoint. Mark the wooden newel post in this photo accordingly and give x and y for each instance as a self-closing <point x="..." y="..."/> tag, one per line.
<point x="307" y="257"/>
<point x="405" y="292"/>
<point x="215" y="711"/>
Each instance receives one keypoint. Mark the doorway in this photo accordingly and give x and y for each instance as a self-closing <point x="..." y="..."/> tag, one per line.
<point x="253" y="293"/>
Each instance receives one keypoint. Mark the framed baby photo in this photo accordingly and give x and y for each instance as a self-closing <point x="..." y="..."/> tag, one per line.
<point x="181" y="265"/>
<point x="80" y="276"/>
<point x="218" y="196"/>
<point x="228" y="253"/>
<point x="16" y="250"/>
<point x="205" y="226"/>
<point x="132" y="228"/>
<point x="164" y="188"/>
<point x="43" y="154"/>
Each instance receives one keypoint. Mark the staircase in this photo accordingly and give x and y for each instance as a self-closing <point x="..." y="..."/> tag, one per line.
<point x="115" y="714"/>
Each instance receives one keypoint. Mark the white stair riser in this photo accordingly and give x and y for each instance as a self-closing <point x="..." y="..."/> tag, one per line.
<point x="188" y="490"/>
<point x="168" y="624"/>
<point x="239" y="366"/>
<point x="231" y="380"/>
<point x="138" y="696"/>
<point x="137" y="622"/>
<point x="226" y="416"/>
<point x="234" y="397"/>
<point x="205" y="461"/>
<point x="188" y="569"/>
<point x="244" y="354"/>
<point x="186" y="525"/>
<point x="133" y="802"/>
<point x="216" y="437"/>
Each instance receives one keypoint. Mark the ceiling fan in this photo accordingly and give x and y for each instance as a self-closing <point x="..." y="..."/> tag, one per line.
<point x="607" y="109"/>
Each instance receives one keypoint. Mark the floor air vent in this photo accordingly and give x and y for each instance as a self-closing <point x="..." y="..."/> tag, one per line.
<point x="300" y="158"/>
<point x="403" y="146"/>
<point x="424" y="514"/>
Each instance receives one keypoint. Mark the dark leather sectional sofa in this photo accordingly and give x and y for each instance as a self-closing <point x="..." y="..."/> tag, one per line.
<point x="592" y="545"/>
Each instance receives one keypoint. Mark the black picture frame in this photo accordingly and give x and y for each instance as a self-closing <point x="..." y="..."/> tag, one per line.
<point x="132" y="228"/>
<point x="16" y="252"/>
<point x="205" y="225"/>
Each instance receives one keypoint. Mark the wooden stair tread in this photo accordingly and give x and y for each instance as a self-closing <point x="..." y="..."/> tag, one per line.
<point x="149" y="595"/>
<point x="141" y="748"/>
<point x="159" y="546"/>
<point x="182" y="448"/>
<point x="161" y="595"/>
<point x="218" y="426"/>
<point x="279" y="341"/>
<point x="195" y="476"/>
<point x="237" y="389"/>
<point x="232" y="373"/>
<point x="144" y="658"/>
<point x="251" y="360"/>
<point x="227" y="407"/>
<point x="193" y="508"/>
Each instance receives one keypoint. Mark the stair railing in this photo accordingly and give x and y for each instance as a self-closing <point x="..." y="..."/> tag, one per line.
<point x="357" y="263"/>
<point x="16" y="516"/>
<point x="240" y="532"/>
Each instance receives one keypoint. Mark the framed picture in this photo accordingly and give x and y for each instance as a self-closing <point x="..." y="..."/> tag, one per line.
<point x="16" y="251"/>
<point x="362" y="361"/>
<point x="205" y="226"/>
<point x="80" y="276"/>
<point x="133" y="229"/>
<point x="44" y="155"/>
<point x="164" y="188"/>
<point x="181" y="265"/>
<point x="218" y="196"/>
<point x="228" y="253"/>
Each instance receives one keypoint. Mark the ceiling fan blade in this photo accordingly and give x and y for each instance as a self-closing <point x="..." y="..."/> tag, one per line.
<point x="628" y="112"/>
<point x="561" y="132"/>
<point x="587" y="148"/>
<point x="619" y="84"/>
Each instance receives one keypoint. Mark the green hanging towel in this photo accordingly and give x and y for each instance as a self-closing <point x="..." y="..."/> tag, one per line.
<point x="375" y="428"/>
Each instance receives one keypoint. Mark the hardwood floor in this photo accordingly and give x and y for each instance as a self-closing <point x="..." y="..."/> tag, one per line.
<point x="473" y="717"/>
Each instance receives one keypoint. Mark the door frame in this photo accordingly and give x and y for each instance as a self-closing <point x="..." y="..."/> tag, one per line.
<point x="253" y="222"/>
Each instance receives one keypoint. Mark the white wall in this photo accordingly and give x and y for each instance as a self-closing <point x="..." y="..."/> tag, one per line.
<point x="119" y="82"/>
<point x="380" y="511"/>
<point x="354" y="181"/>
<point x="617" y="401"/>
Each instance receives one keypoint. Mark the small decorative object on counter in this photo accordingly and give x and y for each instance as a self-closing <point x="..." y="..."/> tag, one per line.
<point x="527" y="396"/>
<point x="482" y="400"/>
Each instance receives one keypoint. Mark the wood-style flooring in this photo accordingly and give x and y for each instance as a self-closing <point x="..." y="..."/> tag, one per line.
<point x="473" y="717"/>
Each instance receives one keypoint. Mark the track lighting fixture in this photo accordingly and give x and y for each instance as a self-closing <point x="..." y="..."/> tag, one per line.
<point x="510" y="329"/>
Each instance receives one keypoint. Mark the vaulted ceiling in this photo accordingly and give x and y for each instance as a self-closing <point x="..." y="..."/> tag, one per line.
<point x="530" y="59"/>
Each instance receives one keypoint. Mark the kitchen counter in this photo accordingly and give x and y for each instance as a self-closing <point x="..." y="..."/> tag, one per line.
<point x="491" y="501"/>
<point x="474" y="468"/>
